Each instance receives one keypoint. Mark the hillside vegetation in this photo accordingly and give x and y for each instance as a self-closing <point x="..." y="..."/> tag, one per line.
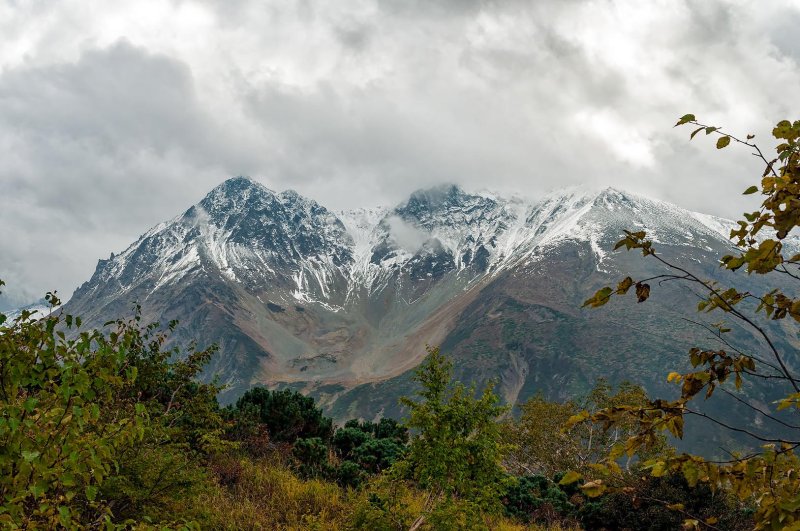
<point x="112" y="431"/>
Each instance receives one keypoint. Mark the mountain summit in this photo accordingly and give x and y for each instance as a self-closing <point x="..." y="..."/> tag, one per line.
<point x="342" y="304"/>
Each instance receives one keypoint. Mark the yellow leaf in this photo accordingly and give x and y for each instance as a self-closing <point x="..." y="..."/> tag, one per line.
<point x="686" y="118"/>
<point x="576" y="419"/>
<point x="674" y="376"/>
<point x="659" y="469"/>
<point x="593" y="489"/>
<point x="599" y="299"/>
<point x="624" y="285"/>
<point x="569" y="477"/>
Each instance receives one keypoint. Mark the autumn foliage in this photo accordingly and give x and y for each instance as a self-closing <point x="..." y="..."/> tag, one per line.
<point x="769" y="478"/>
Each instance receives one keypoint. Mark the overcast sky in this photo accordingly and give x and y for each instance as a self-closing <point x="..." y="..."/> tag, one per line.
<point x="115" y="116"/>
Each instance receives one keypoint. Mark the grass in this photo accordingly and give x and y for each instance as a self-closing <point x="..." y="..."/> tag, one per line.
<point x="266" y="494"/>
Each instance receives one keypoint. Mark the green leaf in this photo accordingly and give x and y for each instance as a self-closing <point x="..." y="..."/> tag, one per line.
<point x="675" y="426"/>
<point x="751" y="190"/>
<point x="91" y="492"/>
<point x="576" y="419"/>
<point x="723" y="142"/>
<point x="783" y="129"/>
<point x="64" y="515"/>
<point x="690" y="472"/>
<point x="30" y="404"/>
<point x="686" y="118"/>
<point x="29" y="456"/>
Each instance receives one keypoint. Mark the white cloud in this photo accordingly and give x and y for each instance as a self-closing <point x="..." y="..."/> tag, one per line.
<point x="407" y="236"/>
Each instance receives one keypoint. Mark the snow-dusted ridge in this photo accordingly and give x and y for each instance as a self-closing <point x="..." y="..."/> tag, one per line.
<point x="261" y="239"/>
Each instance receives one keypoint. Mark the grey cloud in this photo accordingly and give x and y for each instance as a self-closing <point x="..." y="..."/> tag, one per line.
<point x="108" y="96"/>
<point x="353" y="36"/>
<point x="422" y="8"/>
<point x="105" y="133"/>
<point x="94" y="153"/>
<point x="784" y="34"/>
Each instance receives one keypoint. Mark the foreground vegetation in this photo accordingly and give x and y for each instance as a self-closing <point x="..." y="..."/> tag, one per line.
<point x="111" y="429"/>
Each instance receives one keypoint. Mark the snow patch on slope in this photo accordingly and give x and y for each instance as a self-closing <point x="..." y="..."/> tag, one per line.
<point x="39" y="310"/>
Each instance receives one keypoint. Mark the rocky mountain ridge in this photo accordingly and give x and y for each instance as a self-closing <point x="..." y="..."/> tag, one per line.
<point x="254" y="236"/>
<point x="342" y="304"/>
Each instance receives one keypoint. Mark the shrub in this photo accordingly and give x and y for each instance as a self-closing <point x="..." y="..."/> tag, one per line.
<point x="312" y="457"/>
<point x="287" y="414"/>
<point x="347" y="439"/>
<point x="456" y="452"/>
<point x="537" y="499"/>
<point x="97" y="428"/>
<point x="644" y="505"/>
<point x="377" y="455"/>
<point x="349" y="474"/>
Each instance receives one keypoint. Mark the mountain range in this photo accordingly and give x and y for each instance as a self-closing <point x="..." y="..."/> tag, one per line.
<point x="341" y="304"/>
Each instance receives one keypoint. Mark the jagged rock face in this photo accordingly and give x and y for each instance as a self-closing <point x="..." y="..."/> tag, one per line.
<point x="342" y="304"/>
<point x="462" y="229"/>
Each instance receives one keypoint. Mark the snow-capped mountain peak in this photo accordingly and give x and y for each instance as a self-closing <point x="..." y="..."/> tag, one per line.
<point x="294" y="292"/>
<point x="260" y="238"/>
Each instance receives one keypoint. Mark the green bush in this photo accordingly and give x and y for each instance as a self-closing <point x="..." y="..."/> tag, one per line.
<point x="350" y="474"/>
<point x="388" y="428"/>
<point x="312" y="457"/>
<point x="645" y="506"/>
<point x="347" y="439"/>
<point x="287" y="414"/>
<point x="385" y="428"/>
<point x="377" y="455"/>
<point x="65" y="415"/>
<point x="100" y="428"/>
<point x="537" y="499"/>
<point x="642" y="504"/>
<point x="456" y="452"/>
